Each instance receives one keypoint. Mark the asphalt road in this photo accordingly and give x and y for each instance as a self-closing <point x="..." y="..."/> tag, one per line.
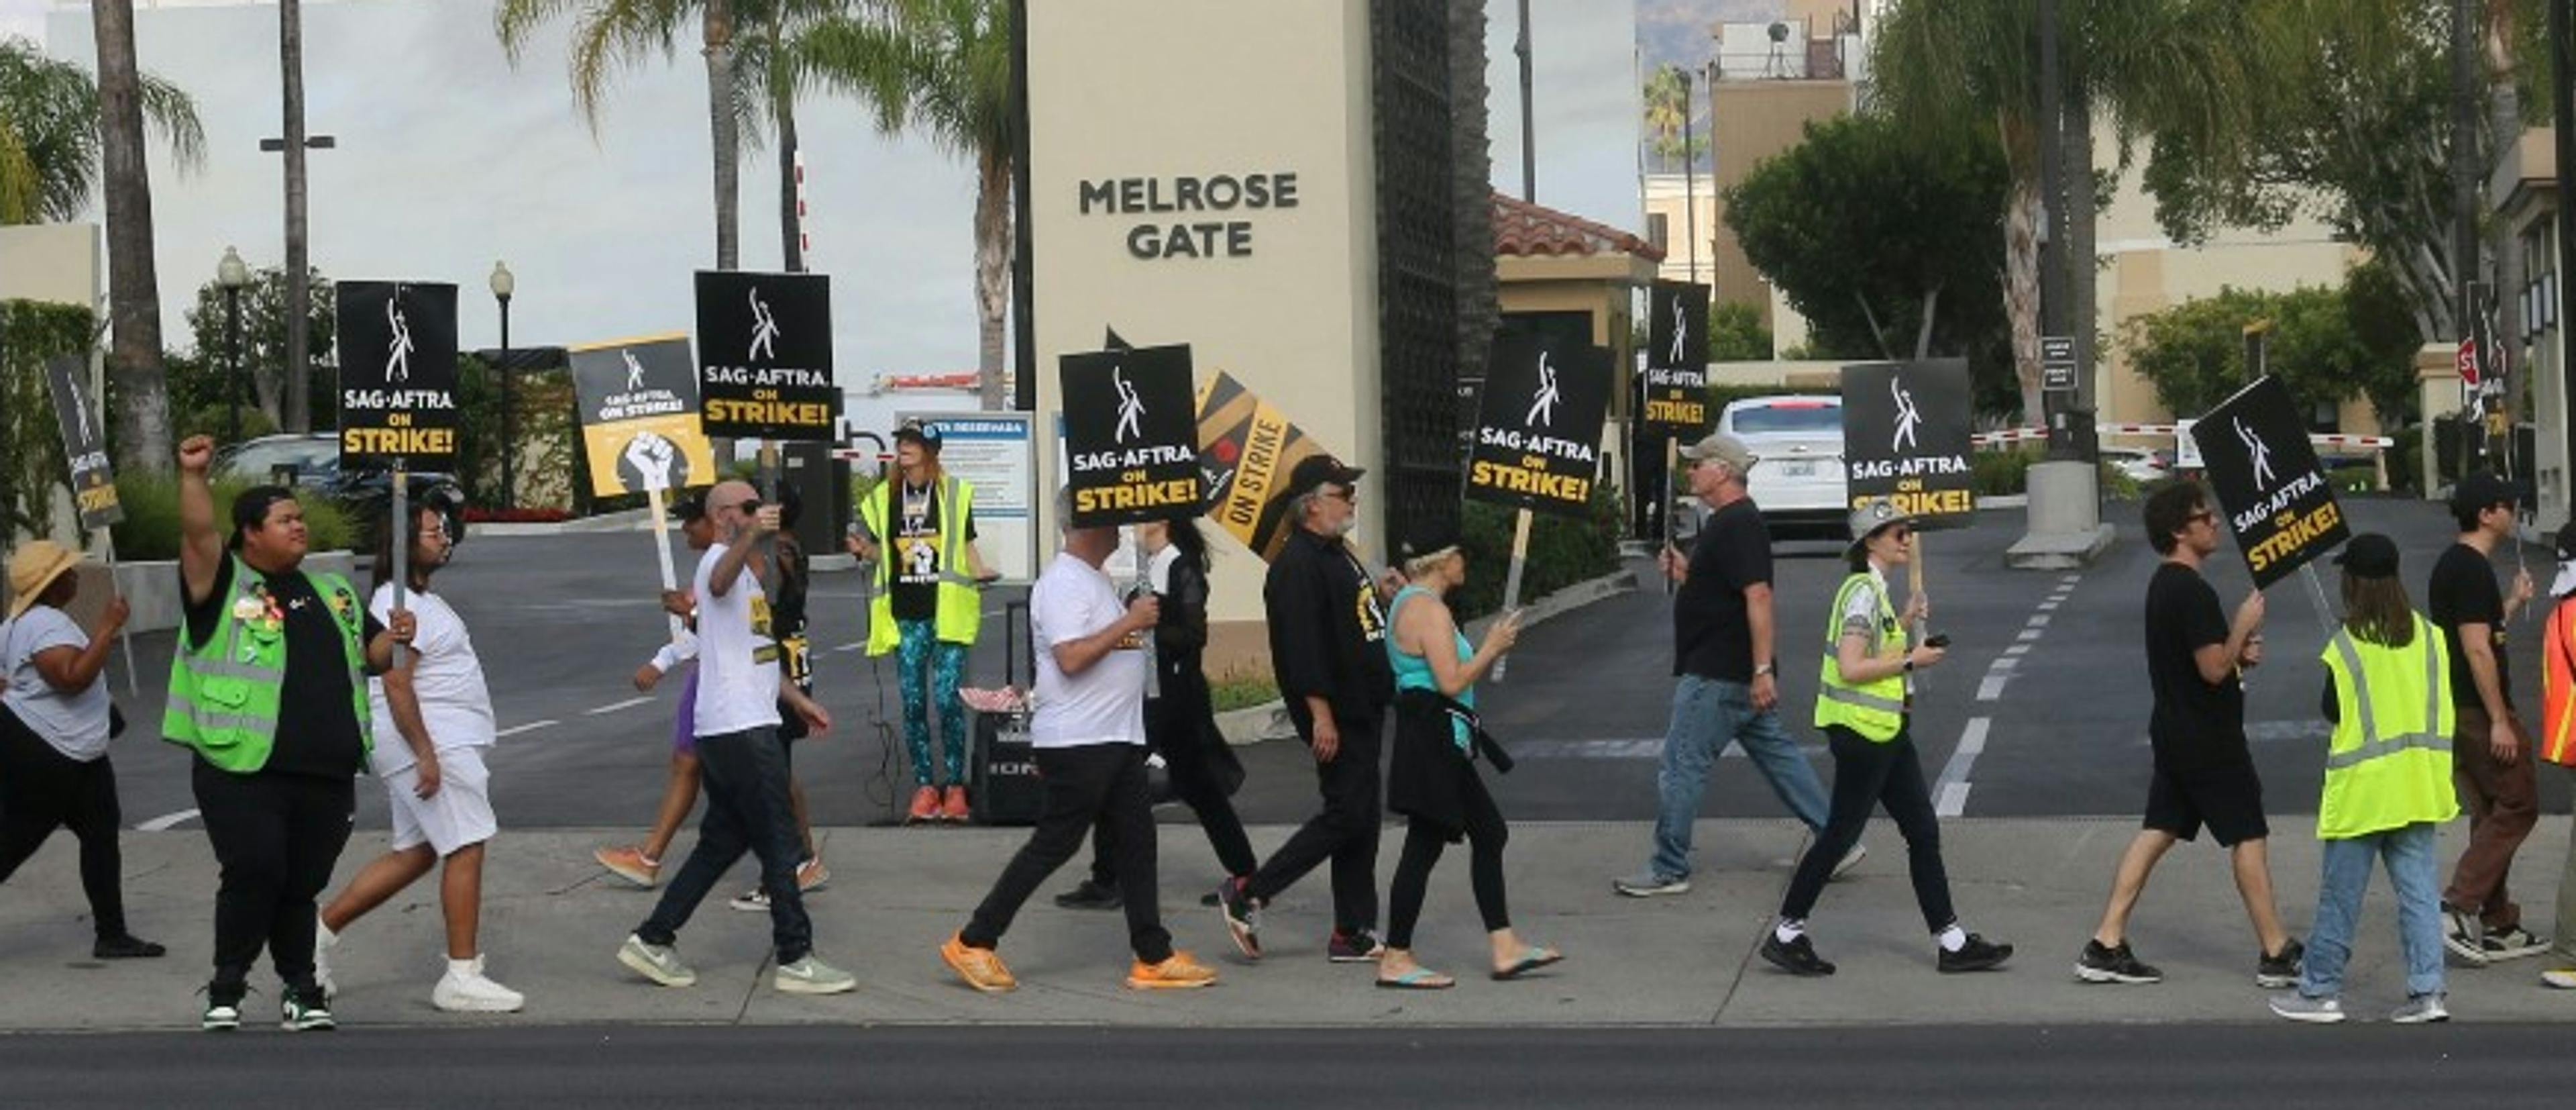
<point x="2040" y="710"/>
<point x="632" y="1068"/>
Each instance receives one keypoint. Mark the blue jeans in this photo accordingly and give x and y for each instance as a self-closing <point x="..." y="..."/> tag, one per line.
<point x="2409" y="852"/>
<point x="1706" y="714"/>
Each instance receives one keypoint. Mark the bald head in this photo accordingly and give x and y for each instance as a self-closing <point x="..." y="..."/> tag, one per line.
<point x="730" y="505"/>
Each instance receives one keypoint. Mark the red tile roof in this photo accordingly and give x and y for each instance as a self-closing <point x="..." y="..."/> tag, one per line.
<point x="1523" y="229"/>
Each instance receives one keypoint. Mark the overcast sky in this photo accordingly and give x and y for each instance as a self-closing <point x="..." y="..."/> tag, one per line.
<point x="449" y="158"/>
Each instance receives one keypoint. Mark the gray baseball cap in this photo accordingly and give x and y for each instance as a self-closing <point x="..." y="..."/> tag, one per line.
<point x="1721" y="447"/>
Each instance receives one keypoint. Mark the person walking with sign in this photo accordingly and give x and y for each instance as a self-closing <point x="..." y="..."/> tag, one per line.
<point x="1865" y="705"/>
<point x="268" y="690"/>
<point x="2387" y="788"/>
<point x="1328" y="653"/>
<point x="924" y="607"/>
<point x="2558" y="743"/>
<point x="56" y="719"/>
<point x="432" y="717"/>
<point x="2204" y="773"/>
<point x="2491" y="752"/>
<point x="1728" y="686"/>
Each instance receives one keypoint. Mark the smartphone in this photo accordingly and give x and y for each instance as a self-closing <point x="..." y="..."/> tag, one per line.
<point x="1937" y="640"/>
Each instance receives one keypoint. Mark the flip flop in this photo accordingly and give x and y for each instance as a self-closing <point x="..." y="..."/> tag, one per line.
<point x="1531" y="959"/>
<point x="1417" y="979"/>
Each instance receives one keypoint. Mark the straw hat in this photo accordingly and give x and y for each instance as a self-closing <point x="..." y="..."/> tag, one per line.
<point x="34" y="567"/>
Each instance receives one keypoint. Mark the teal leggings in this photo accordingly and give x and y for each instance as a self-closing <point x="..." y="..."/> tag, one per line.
<point x="928" y="667"/>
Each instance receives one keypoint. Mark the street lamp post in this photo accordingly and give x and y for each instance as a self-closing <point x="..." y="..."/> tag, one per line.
<point x="233" y="275"/>
<point x="503" y="285"/>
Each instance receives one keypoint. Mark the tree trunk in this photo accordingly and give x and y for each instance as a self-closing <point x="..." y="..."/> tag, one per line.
<point x="133" y="287"/>
<point x="723" y="129"/>
<point x="992" y="269"/>
<point x="1923" y="332"/>
<point x="2083" y="266"/>
<point x="299" y="355"/>
<point x="791" y="222"/>
<point x="2021" y="284"/>
<point x="2504" y="132"/>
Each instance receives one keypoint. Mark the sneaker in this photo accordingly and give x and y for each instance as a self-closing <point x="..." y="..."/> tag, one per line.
<point x="223" y="1009"/>
<point x="925" y="806"/>
<point x="755" y="900"/>
<point x="2115" y="964"/>
<point x="657" y="962"/>
<point x="2511" y="944"/>
<point x="1091" y="895"/>
<point x="812" y="976"/>
<point x="2315" y="1011"/>
<point x="1797" y="955"/>
<point x="630" y="864"/>
<point x="1242" y="918"/>
<point x="125" y="946"/>
<point x="2563" y="978"/>
<point x="2421" y="1009"/>
<point x="2464" y="936"/>
<point x="1649" y="885"/>
<point x="1354" y="948"/>
<point x="953" y="809"/>
<point x="1978" y="954"/>
<point x="2277" y="972"/>
<point x="1180" y="972"/>
<point x="1851" y="859"/>
<point x="324" y="940"/>
<point x="982" y="968"/>
<point x="468" y="991"/>
<point x="811" y="875"/>
<point x="305" y="1010"/>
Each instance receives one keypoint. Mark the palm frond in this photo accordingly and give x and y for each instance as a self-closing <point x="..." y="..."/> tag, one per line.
<point x="172" y="113"/>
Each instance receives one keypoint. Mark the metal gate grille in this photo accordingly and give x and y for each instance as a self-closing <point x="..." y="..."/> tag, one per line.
<point x="1417" y="272"/>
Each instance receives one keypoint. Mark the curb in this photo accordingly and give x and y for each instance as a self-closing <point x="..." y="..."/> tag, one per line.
<point x="630" y="520"/>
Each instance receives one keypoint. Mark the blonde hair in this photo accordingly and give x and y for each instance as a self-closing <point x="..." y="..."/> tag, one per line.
<point x="1423" y="565"/>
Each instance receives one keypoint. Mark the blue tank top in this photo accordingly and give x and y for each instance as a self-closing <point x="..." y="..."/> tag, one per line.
<point x="1413" y="672"/>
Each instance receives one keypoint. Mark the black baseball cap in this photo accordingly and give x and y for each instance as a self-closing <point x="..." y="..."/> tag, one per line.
<point x="1426" y="538"/>
<point x="2369" y="555"/>
<point x="1314" y="471"/>
<point x="915" y="431"/>
<point x="690" y="507"/>
<point x="2482" y="489"/>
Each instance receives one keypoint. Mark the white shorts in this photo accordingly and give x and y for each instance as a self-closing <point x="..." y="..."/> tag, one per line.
<point x="458" y="815"/>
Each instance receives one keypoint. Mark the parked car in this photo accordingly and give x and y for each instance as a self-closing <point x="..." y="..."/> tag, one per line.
<point x="2139" y="464"/>
<point x="1798" y="479"/>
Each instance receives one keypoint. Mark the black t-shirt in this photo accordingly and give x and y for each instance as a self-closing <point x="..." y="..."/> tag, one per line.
<point x="1327" y="631"/>
<point x="317" y="718"/>
<point x="2196" y="726"/>
<point x="1711" y="637"/>
<point x="2463" y="591"/>
<point x="914" y="549"/>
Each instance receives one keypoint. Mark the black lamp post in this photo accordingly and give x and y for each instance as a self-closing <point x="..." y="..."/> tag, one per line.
<point x="503" y="285"/>
<point x="233" y="275"/>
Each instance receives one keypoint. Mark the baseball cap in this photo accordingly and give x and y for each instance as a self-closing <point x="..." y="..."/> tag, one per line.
<point x="2369" y="555"/>
<point x="1721" y="447"/>
<point x="1426" y="538"/>
<point x="1314" y="471"/>
<point x="914" y="431"/>
<point x="2480" y="489"/>
<point x="2565" y="583"/>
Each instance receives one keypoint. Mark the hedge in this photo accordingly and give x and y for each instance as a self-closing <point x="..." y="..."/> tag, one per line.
<point x="32" y="466"/>
<point x="1562" y="551"/>
<point x="151" y="526"/>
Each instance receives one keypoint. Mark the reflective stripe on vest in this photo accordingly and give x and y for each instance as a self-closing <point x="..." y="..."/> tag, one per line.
<point x="237" y="733"/>
<point x="2374" y="745"/>
<point x="1875" y="710"/>
<point x="1850" y="696"/>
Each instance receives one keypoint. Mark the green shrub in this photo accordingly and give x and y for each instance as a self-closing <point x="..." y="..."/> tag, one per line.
<point x="216" y="420"/>
<point x="32" y="466"/>
<point x="1242" y="689"/>
<point x="1562" y="551"/>
<point x="2357" y="479"/>
<point x="150" y="529"/>
<point x="2001" y="473"/>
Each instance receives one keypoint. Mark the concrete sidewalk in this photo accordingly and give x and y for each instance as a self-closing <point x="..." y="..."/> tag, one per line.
<point x="552" y="922"/>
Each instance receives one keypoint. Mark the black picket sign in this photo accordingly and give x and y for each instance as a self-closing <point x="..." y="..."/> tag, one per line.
<point x="1131" y="435"/>
<point x="84" y="423"/>
<point x="397" y="343"/>
<point x="765" y="356"/>
<point x="1538" y="425"/>
<point x="1676" y="384"/>
<point x="1907" y="438"/>
<point x="2279" y="505"/>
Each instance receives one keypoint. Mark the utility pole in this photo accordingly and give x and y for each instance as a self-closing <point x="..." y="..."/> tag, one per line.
<point x="2562" y="55"/>
<point x="2052" y="208"/>
<point x="299" y="354"/>
<point x="1690" y="176"/>
<point x="2464" y="183"/>
<point x="1529" y="127"/>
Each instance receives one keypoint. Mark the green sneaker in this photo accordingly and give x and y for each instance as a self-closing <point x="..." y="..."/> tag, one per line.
<point x="307" y="1011"/>
<point x="657" y="962"/>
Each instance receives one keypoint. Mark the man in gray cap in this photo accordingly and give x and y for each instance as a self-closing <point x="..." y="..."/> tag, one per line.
<point x="1722" y="653"/>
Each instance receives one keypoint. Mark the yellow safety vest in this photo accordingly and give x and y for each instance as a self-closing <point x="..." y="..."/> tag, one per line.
<point x="960" y="613"/>
<point x="1876" y="710"/>
<point x="2389" y="763"/>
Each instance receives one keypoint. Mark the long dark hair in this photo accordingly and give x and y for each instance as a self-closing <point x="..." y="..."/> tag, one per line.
<point x="2376" y="611"/>
<point x="1193" y="543"/>
<point x="382" y="570"/>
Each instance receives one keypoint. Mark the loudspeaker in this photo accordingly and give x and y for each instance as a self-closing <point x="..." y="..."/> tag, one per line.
<point x="822" y="486"/>
<point x="1004" y="771"/>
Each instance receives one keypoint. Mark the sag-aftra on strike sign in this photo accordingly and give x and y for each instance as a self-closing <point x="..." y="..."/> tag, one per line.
<point x="2279" y="504"/>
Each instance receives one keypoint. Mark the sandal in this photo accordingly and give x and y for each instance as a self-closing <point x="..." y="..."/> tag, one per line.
<point x="1531" y="959"/>
<point x="1416" y="979"/>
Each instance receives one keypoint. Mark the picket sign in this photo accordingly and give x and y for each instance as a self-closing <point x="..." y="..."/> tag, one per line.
<point x="662" y="551"/>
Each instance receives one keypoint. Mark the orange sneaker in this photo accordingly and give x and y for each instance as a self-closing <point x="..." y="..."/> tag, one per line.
<point x="1177" y="973"/>
<point x="630" y="864"/>
<point x="925" y="806"/>
<point x="980" y="967"/>
<point x="954" y="808"/>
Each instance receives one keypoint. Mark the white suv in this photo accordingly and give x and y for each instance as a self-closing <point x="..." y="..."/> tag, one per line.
<point x="1798" y="479"/>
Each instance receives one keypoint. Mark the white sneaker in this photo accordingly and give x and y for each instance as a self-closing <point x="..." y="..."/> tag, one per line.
<point x="324" y="940"/>
<point x="813" y="976"/>
<point x="466" y="990"/>
<point x="755" y="901"/>
<point x="657" y="962"/>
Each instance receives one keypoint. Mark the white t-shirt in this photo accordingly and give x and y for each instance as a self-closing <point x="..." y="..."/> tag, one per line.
<point x="737" y="659"/>
<point x="447" y="677"/>
<point x="1860" y="614"/>
<point x="75" y="724"/>
<point x="1105" y="704"/>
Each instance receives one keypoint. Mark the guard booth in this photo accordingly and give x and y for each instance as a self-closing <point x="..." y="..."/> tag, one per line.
<point x="1567" y="278"/>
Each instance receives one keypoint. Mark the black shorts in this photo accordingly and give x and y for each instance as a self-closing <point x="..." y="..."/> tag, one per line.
<point x="2227" y="799"/>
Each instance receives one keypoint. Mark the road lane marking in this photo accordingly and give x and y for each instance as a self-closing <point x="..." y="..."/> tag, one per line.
<point x="2016" y="650"/>
<point x="2039" y="620"/>
<point x="166" y="821"/>
<point x="2027" y="635"/>
<point x="853" y="645"/>
<point x="1991" y="688"/>
<point x="1952" y="791"/>
<point x="531" y="726"/>
<point x="614" y="706"/>
<point x="2048" y="606"/>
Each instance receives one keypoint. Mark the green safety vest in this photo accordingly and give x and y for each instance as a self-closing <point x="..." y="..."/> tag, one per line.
<point x="960" y="613"/>
<point x="224" y="693"/>
<point x="1876" y="710"/>
<point x="2389" y="763"/>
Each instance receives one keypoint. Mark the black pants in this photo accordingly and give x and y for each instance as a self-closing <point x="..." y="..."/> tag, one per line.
<point x="42" y="790"/>
<point x="744" y="777"/>
<point x="1192" y="772"/>
<point x="1868" y="775"/>
<point x="1345" y="833"/>
<point x="1084" y="785"/>
<point x="276" y="836"/>
<point x="1423" y="843"/>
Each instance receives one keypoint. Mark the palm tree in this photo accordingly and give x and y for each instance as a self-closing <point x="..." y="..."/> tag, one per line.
<point x="1667" y="101"/>
<point x="941" y="68"/>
